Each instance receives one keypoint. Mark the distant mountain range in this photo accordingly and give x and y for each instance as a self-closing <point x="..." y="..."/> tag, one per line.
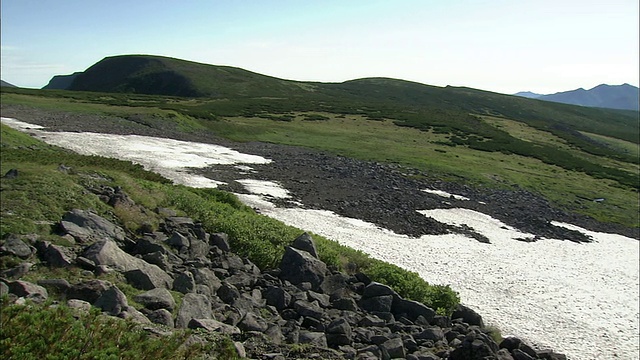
<point x="625" y="97"/>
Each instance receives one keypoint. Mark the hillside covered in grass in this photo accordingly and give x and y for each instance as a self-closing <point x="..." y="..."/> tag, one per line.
<point x="570" y="155"/>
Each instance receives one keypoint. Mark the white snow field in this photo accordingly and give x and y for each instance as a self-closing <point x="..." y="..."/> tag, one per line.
<point x="580" y="299"/>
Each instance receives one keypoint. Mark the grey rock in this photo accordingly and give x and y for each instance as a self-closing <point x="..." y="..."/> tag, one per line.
<point x="277" y="297"/>
<point x="304" y="242"/>
<point x="147" y="246"/>
<point x="253" y="322"/>
<point x="322" y="299"/>
<point x="179" y="222"/>
<point x="60" y="286"/>
<point x="205" y="276"/>
<point x="413" y="309"/>
<point x="11" y="174"/>
<point x="139" y="273"/>
<point x="86" y="226"/>
<point x="213" y="326"/>
<point x="4" y="288"/>
<point x="26" y="289"/>
<point x="510" y="343"/>
<point x="198" y="249"/>
<point x="521" y="355"/>
<point x="178" y="241"/>
<point x="240" y="350"/>
<point x="299" y="266"/>
<point x="85" y="263"/>
<point x="395" y="348"/>
<point x="16" y="247"/>
<point x="89" y="290"/>
<point x="378" y="303"/>
<point x="375" y="289"/>
<point x="58" y="256"/>
<point x="334" y="283"/>
<point x="313" y="338"/>
<point x="338" y="333"/>
<point x="155" y="299"/>
<point x="504" y="354"/>
<point x="550" y="355"/>
<point x="228" y="293"/>
<point x="426" y="355"/>
<point x="467" y="315"/>
<point x="371" y="320"/>
<point x="241" y="279"/>
<point x="148" y="277"/>
<point x="345" y="303"/>
<point x="184" y="282"/>
<point x="159" y="259"/>
<point x="274" y="334"/>
<point x="221" y="241"/>
<point x="79" y="304"/>
<point x="16" y="272"/>
<point x="307" y="309"/>
<point x="131" y="313"/>
<point x="112" y="301"/>
<point x="162" y="317"/>
<point x="194" y="306"/>
<point x="431" y="333"/>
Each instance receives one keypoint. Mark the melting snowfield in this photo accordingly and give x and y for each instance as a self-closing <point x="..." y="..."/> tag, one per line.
<point x="580" y="299"/>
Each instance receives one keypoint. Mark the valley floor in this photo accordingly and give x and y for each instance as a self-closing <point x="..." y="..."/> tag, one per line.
<point x="567" y="293"/>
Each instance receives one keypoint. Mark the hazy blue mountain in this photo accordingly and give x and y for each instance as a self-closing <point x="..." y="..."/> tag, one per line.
<point x="61" y="82"/>
<point x="623" y="96"/>
<point x="528" y="94"/>
<point x="6" y="84"/>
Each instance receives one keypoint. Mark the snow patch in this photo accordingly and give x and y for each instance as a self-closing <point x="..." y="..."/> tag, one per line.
<point x="168" y="157"/>
<point x="263" y="187"/>
<point x="445" y="194"/>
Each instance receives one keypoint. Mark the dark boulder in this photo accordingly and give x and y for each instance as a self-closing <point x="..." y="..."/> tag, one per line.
<point x="194" y="306"/>
<point x="413" y="309"/>
<point x="377" y="303"/>
<point x="13" y="245"/>
<point x="299" y="266"/>
<point x="86" y="226"/>
<point x="26" y="289"/>
<point x="304" y="242"/>
<point x="467" y="315"/>
<point x="339" y="332"/>
<point x="221" y="241"/>
<point x="155" y="299"/>
<point x="112" y="301"/>
<point x="89" y="290"/>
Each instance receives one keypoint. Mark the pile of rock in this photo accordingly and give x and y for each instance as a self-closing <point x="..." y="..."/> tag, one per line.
<point x="302" y="302"/>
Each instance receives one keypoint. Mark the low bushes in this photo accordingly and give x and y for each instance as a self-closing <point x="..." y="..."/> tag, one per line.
<point x="58" y="332"/>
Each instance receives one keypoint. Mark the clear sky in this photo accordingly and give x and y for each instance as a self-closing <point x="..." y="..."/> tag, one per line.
<point x="506" y="46"/>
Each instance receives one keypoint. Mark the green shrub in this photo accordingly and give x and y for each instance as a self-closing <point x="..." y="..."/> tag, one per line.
<point x="410" y="285"/>
<point x="48" y="332"/>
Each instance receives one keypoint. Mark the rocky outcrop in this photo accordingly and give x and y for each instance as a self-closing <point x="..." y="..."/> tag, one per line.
<point x="336" y="315"/>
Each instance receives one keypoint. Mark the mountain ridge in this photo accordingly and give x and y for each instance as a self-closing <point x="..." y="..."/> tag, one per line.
<point x="623" y="97"/>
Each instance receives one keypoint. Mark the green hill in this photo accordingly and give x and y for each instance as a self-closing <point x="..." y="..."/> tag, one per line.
<point x="156" y="75"/>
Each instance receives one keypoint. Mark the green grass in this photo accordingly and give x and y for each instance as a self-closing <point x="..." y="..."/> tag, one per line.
<point x="57" y="332"/>
<point x="621" y="145"/>
<point x="354" y="136"/>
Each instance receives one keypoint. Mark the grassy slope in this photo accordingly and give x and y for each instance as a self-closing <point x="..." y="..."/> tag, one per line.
<point x="354" y="135"/>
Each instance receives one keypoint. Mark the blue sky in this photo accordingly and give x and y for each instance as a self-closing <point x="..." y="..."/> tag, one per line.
<point x="505" y="46"/>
